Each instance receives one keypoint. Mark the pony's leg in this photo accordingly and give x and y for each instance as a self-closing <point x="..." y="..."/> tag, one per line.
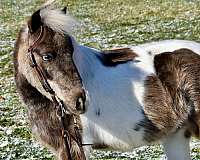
<point x="87" y="151"/>
<point x="177" y="146"/>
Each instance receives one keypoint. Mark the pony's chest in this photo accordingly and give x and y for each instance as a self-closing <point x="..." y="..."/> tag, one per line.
<point x="115" y="108"/>
<point x="113" y="126"/>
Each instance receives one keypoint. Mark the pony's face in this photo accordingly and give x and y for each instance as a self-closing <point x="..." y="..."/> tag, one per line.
<point x="53" y="54"/>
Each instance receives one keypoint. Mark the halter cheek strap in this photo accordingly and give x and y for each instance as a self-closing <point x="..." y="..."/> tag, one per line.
<point x="37" y="40"/>
<point x="59" y="105"/>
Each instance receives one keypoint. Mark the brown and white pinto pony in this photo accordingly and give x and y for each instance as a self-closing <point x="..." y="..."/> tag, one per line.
<point x="134" y="96"/>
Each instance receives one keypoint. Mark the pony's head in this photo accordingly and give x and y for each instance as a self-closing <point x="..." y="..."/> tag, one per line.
<point x="47" y="33"/>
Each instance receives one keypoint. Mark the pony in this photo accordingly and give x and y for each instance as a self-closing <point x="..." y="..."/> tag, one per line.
<point x="128" y="97"/>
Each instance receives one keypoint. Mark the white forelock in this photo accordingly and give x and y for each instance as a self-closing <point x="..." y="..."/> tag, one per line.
<point x="57" y="20"/>
<point x="48" y="3"/>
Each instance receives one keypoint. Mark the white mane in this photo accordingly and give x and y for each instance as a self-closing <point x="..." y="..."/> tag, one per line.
<point x="57" y="20"/>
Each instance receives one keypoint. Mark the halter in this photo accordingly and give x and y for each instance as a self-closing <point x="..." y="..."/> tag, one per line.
<point x="61" y="111"/>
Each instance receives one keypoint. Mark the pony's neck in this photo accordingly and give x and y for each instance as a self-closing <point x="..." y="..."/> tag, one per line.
<point x="86" y="61"/>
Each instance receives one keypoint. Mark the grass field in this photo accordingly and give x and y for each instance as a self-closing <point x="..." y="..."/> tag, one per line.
<point x="105" y="24"/>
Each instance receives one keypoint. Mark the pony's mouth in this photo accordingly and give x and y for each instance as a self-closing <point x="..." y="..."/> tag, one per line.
<point x="73" y="100"/>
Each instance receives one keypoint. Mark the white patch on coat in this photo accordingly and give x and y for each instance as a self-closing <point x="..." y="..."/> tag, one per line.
<point x="169" y="46"/>
<point x="117" y="93"/>
<point x="144" y="61"/>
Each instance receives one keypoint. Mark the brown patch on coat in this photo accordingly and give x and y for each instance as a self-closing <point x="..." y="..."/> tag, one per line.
<point x="158" y="110"/>
<point x="149" y="129"/>
<point x="172" y="96"/>
<point x="117" y="56"/>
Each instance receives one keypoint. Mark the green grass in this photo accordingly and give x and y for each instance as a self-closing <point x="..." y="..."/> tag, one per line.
<point x="106" y="24"/>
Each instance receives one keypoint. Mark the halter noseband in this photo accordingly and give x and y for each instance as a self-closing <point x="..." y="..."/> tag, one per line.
<point x="59" y="105"/>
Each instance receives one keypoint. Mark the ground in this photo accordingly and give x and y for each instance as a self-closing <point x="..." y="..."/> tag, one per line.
<point x="104" y="24"/>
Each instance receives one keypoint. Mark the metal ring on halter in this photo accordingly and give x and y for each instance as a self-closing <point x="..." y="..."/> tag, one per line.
<point x="60" y="109"/>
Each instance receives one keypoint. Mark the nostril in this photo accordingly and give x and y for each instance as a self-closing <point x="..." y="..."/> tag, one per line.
<point x="80" y="104"/>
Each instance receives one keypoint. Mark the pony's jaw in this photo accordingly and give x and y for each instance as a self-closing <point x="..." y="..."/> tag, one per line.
<point x="67" y="95"/>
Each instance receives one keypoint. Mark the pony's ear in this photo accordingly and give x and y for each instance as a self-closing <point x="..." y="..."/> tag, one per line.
<point x="64" y="10"/>
<point x="34" y="22"/>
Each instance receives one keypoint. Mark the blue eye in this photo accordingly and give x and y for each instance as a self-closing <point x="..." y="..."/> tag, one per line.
<point x="47" y="57"/>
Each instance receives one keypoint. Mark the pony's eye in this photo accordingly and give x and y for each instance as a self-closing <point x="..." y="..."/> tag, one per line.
<point x="47" y="57"/>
